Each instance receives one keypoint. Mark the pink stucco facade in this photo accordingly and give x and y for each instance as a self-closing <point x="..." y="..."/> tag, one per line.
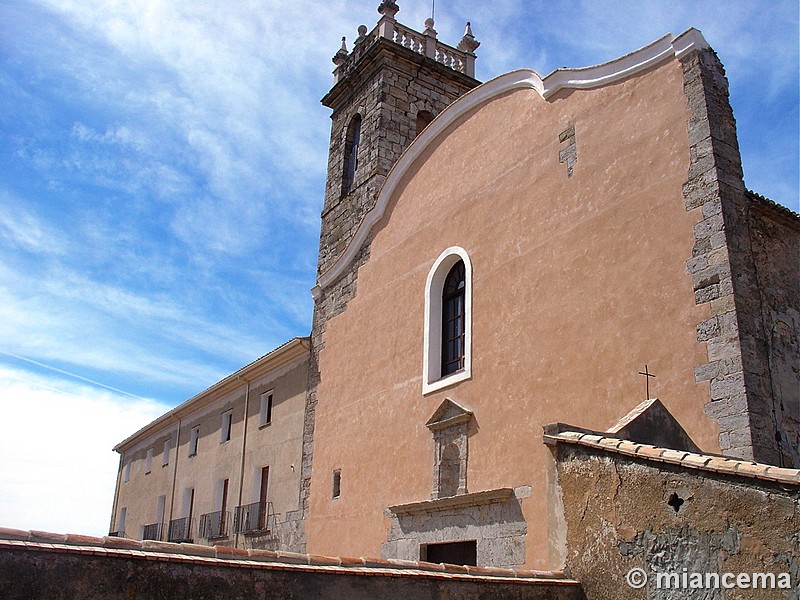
<point x="577" y="282"/>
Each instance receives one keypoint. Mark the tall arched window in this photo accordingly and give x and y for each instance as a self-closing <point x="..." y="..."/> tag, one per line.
<point x="453" y="314"/>
<point x="448" y="321"/>
<point x="352" y="142"/>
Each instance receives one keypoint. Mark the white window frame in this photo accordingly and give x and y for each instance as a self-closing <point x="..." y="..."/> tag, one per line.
<point x="432" y="379"/>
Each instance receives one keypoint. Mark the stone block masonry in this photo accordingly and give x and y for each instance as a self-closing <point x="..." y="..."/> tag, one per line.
<point x="737" y="256"/>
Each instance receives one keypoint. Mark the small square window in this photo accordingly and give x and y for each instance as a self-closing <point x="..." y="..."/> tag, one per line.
<point x="266" y="408"/>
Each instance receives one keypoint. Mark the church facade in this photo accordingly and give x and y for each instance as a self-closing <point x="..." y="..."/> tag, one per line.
<point x="495" y="258"/>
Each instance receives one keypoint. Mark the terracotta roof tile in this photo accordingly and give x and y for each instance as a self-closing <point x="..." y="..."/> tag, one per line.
<point x="695" y="460"/>
<point x="293" y="558"/>
<point x="649" y="451"/>
<point x="318" y="559"/>
<point x="7" y="533"/>
<point x="75" y="539"/>
<point x="198" y="550"/>
<point x="47" y="537"/>
<point x="118" y="542"/>
<point x="230" y="552"/>
<point x="719" y="464"/>
<point x="263" y="555"/>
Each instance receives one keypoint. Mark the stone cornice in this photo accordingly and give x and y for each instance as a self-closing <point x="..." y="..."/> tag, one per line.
<point x="451" y="502"/>
<point x="662" y="50"/>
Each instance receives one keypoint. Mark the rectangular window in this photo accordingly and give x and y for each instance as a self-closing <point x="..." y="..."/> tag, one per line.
<point x="123" y="513"/>
<point x="194" y="436"/>
<point x="266" y="408"/>
<point x="225" y="429"/>
<point x="263" y="521"/>
<point x="165" y="455"/>
<point x="337" y="483"/>
<point x="148" y="462"/>
<point x="161" y="506"/>
<point x="126" y="472"/>
<point x="454" y="553"/>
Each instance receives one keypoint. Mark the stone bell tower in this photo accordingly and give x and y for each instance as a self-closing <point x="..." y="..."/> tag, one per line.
<point x="391" y="84"/>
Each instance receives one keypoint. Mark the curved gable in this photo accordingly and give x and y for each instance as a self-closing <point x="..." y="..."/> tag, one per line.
<point x="662" y="50"/>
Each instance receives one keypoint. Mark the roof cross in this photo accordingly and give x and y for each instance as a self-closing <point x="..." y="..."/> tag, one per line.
<point x="647" y="375"/>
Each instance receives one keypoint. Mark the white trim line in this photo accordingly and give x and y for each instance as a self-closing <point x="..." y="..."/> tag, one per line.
<point x="661" y="50"/>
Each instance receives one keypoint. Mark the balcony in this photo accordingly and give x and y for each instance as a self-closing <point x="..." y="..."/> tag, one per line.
<point x="120" y="534"/>
<point x="214" y="525"/>
<point x="152" y="531"/>
<point x="256" y="518"/>
<point x="180" y="530"/>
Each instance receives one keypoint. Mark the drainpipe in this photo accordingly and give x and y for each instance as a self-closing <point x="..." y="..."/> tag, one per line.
<point x="174" y="475"/>
<point x="244" y="446"/>
<point x="111" y="526"/>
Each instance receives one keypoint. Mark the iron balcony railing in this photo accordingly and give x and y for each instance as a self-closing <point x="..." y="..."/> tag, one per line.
<point x="180" y="530"/>
<point x="257" y="516"/>
<point x="152" y="531"/>
<point x="214" y="525"/>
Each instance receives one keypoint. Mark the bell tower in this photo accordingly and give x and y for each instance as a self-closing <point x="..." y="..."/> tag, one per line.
<point x="391" y="84"/>
<point x="385" y="90"/>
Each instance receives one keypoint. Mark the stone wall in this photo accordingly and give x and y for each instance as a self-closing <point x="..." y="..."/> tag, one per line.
<point x="498" y="527"/>
<point x="624" y="513"/>
<point x="727" y="276"/>
<point x="775" y="239"/>
<point x="43" y="566"/>
<point x="388" y="87"/>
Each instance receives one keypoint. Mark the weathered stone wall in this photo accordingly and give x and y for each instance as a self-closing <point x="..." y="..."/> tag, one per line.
<point x="388" y="88"/>
<point x="724" y="272"/>
<point x="58" y="571"/>
<point x="622" y="513"/>
<point x="499" y="529"/>
<point x="775" y="238"/>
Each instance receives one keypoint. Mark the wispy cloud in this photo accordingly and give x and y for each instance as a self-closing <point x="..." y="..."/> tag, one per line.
<point x="21" y="229"/>
<point x="74" y="427"/>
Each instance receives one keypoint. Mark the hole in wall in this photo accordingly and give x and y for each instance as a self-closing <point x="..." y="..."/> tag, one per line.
<point x="675" y="501"/>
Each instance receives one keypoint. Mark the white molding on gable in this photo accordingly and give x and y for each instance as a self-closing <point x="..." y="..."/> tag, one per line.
<point x="662" y="50"/>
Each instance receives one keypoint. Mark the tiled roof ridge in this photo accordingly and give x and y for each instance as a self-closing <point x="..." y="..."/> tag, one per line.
<point x="784" y="212"/>
<point x="267" y="559"/>
<point x="705" y="462"/>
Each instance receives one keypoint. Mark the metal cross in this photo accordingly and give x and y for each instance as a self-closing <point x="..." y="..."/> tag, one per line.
<point x="647" y="375"/>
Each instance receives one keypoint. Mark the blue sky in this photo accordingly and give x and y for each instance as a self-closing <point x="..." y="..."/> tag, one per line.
<point x="162" y="168"/>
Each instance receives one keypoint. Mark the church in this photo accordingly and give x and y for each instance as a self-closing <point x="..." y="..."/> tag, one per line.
<point x="495" y="259"/>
